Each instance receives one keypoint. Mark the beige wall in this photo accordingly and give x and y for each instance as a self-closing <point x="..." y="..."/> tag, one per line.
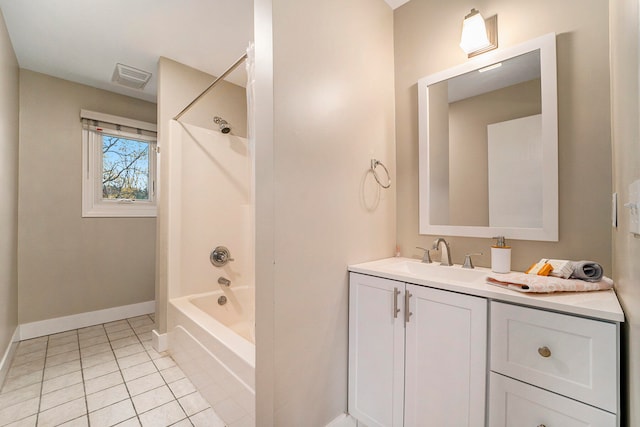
<point x="333" y="112"/>
<point x="426" y="37"/>
<point x="625" y="96"/>
<point x="68" y="264"/>
<point x="178" y="85"/>
<point x="8" y="189"/>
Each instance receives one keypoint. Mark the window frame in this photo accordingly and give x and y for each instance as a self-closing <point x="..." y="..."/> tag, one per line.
<point x="95" y="125"/>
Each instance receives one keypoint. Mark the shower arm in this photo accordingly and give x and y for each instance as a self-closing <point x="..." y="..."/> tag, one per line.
<point x="215" y="82"/>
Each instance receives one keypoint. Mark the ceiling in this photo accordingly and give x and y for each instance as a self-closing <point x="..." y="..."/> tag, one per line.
<point x="81" y="41"/>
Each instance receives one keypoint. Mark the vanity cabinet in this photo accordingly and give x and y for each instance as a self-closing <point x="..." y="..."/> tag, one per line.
<point x="416" y="353"/>
<point x="515" y="403"/>
<point x="438" y="346"/>
<point x="552" y="368"/>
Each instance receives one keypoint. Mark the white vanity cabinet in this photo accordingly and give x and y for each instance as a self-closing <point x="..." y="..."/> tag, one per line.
<point x="552" y="368"/>
<point x="415" y="353"/>
<point x="437" y="346"/>
<point x="514" y="403"/>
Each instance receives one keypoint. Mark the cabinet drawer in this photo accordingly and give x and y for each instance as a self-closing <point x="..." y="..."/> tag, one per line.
<point x="570" y="355"/>
<point x="514" y="403"/>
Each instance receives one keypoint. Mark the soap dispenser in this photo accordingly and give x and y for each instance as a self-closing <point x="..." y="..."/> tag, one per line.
<point x="500" y="256"/>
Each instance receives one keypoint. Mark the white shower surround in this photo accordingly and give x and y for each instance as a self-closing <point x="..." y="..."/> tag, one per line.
<point x="209" y="206"/>
<point x="209" y="199"/>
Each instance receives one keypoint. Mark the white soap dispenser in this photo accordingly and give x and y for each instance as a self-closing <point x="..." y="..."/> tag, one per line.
<point x="500" y="256"/>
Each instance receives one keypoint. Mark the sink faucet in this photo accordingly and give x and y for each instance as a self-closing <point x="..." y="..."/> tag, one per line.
<point x="445" y="257"/>
<point x="425" y="257"/>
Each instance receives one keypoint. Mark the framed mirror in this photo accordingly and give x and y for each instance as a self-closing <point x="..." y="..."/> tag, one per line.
<point x="488" y="145"/>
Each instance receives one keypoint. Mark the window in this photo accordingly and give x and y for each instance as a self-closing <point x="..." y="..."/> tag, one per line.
<point x="119" y="166"/>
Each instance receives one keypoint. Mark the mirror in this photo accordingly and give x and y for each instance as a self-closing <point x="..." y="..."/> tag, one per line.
<point x="488" y="145"/>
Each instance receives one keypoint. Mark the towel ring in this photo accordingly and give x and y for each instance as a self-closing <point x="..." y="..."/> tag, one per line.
<point x="374" y="164"/>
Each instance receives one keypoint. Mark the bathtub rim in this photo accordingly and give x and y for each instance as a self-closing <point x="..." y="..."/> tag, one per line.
<point x="234" y="342"/>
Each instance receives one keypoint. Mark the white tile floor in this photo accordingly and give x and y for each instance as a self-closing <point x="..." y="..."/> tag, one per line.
<point x="103" y="375"/>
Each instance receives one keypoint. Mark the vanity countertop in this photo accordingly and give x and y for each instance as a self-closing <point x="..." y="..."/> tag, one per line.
<point x="602" y="305"/>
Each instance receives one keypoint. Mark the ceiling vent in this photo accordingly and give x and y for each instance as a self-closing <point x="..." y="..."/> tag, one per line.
<point x="128" y="76"/>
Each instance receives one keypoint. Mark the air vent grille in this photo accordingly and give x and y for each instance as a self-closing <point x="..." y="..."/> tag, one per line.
<point x="128" y="76"/>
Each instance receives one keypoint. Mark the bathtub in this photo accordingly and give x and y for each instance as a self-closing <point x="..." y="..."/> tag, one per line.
<point x="215" y="347"/>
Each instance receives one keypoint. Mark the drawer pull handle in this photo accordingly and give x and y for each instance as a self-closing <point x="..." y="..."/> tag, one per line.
<point x="544" y="352"/>
<point x="542" y="425"/>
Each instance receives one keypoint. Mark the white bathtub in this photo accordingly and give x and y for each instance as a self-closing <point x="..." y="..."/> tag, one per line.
<point x="214" y="346"/>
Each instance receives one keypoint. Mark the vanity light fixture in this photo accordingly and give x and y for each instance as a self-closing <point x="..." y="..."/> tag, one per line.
<point x="479" y="35"/>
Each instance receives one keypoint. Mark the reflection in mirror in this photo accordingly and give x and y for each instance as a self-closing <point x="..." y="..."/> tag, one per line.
<point x="483" y="115"/>
<point x="488" y="146"/>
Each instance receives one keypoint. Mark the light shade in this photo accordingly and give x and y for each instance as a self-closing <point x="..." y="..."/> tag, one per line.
<point x="478" y="35"/>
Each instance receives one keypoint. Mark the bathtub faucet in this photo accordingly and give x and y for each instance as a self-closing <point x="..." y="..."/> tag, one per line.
<point x="224" y="281"/>
<point x="220" y="256"/>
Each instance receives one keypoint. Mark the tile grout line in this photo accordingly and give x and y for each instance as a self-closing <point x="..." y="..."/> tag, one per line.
<point x="81" y="376"/>
<point x="166" y="384"/>
<point x="124" y="382"/>
<point x="153" y="358"/>
<point x="187" y="416"/>
<point x="120" y="372"/>
<point x="84" y="384"/>
<point x="44" y="368"/>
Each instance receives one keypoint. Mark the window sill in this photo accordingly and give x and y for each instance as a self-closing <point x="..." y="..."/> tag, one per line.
<point x="125" y="210"/>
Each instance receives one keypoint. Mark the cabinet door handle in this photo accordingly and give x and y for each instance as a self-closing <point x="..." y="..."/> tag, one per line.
<point x="544" y="351"/>
<point x="396" y="310"/>
<point x="407" y="311"/>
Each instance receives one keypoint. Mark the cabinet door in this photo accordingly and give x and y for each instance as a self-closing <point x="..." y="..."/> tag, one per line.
<point x="446" y="341"/>
<point x="376" y="351"/>
<point x="514" y="403"/>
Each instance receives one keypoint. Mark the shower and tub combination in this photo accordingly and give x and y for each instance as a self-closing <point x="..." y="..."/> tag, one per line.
<point x="211" y="309"/>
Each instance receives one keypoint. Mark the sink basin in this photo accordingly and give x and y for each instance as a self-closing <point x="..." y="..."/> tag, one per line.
<point x="437" y="272"/>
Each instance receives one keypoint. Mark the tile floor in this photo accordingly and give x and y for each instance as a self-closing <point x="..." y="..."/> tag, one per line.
<point x="98" y="376"/>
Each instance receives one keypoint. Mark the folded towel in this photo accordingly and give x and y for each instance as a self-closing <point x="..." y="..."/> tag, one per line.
<point x="586" y="270"/>
<point x="523" y="282"/>
<point x="561" y="268"/>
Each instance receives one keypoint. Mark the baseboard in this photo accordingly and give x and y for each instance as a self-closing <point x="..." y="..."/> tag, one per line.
<point x="82" y="320"/>
<point x="5" y="363"/>
<point x="343" y="420"/>
<point x="159" y="341"/>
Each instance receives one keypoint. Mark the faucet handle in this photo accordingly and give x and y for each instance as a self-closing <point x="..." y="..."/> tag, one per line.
<point x="220" y="256"/>
<point x="426" y="258"/>
<point x="467" y="260"/>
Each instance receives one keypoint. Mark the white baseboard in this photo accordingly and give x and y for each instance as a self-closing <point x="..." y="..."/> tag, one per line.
<point x="82" y="320"/>
<point x="159" y="341"/>
<point x="8" y="355"/>
<point x="343" y="420"/>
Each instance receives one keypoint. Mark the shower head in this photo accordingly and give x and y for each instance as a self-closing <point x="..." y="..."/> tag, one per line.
<point x="224" y="126"/>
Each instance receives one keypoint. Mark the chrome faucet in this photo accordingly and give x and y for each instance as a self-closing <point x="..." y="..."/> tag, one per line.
<point x="224" y="281"/>
<point x="467" y="260"/>
<point x="220" y="256"/>
<point x="425" y="257"/>
<point x="445" y="257"/>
